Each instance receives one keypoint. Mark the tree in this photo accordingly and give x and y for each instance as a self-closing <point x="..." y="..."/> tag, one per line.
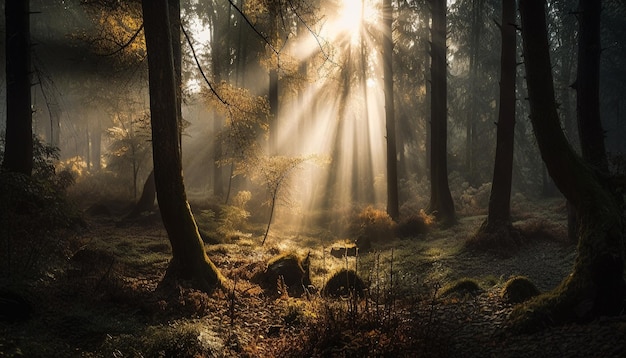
<point x="189" y="259"/>
<point x="498" y="221"/>
<point x="587" y="85"/>
<point x="18" y="152"/>
<point x="392" y="152"/>
<point x="441" y="204"/>
<point x="596" y="286"/>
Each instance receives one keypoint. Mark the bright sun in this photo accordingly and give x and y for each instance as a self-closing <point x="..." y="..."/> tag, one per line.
<point x="352" y="13"/>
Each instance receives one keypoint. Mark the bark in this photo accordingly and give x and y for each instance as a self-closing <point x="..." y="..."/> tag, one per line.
<point x="189" y="260"/>
<point x="499" y="216"/>
<point x="596" y="285"/>
<point x="390" y="121"/>
<point x="587" y="85"/>
<point x="18" y="151"/>
<point x="470" y="125"/>
<point x="146" y="201"/>
<point x="441" y="204"/>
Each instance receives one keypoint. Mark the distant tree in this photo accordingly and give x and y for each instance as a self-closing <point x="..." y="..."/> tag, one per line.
<point x="498" y="220"/>
<point x="441" y="204"/>
<point x="596" y="285"/>
<point x="189" y="259"/>
<point x="18" y="151"/>
<point x="392" y="152"/>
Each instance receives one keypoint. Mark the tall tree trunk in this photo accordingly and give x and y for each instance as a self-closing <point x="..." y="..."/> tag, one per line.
<point x="18" y="151"/>
<point x="596" y="285"/>
<point x="392" y="152"/>
<point x="588" y="85"/>
<point x="499" y="217"/>
<point x="470" y="124"/>
<point x="189" y="259"/>
<point x="441" y="204"/>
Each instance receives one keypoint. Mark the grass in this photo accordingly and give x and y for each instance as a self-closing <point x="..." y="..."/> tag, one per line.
<point x="113" y="307"/>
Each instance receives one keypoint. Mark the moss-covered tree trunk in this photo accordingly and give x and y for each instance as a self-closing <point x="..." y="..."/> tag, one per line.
<point x="596" y="285"/>
<point x="441" y="204"/>
<point x="499" y="218"/>
<point x="189" y="259"/>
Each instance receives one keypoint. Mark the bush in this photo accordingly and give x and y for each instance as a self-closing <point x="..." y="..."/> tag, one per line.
<point x="414" y="225"/>
<point x="372" y="225"/>
<point x="31" y="209"/>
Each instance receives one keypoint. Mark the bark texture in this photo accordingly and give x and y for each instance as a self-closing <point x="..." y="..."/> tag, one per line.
<point x="441" y="204"/>
<point x="189" y="259"/>
<point x="499" y="217"/>
<point x="596" y="285"/>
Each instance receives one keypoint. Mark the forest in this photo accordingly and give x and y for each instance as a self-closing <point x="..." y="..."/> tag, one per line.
<point x="313" y="178"/>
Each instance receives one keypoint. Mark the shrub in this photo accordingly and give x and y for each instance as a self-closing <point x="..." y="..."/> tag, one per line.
<point x="31" y="210"/>
<point x="414" y="225"/>
<point x="372" y="225"/>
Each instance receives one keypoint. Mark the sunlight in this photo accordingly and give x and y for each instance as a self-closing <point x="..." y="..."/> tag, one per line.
<point x="352" y="14"/>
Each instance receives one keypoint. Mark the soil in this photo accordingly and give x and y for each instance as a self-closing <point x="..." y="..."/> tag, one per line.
<point x="105" y="300"/>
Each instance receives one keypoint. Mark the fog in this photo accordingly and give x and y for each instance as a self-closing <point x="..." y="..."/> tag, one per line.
<point x="90" y="99"/>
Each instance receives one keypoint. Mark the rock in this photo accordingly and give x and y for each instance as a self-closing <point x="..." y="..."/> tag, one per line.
<point x="344" y="283"/>
<point x="518" y="289"/>
<point x="289" y="269"/>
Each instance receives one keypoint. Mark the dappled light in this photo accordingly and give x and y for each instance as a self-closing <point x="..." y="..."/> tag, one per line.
<point x="332" y="178"/>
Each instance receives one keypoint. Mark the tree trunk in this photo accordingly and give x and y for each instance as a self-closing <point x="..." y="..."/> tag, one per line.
<point x="596" y="285"/>
<point x="471" y="119"/>
<point x="189" y="260"/>
<point x="441" y="204"/>
<point x="146" y="201"/>
<point x="18" y="151"/>
<point x="499" y="216"/>
<point x="587" y="85"/>
<point x="392" y="153"/>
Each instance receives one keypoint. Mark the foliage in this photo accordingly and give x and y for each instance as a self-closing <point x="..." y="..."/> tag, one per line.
<point x="31" y="209"/>
<point x="118" y="26"/>
<point x="414" y="225"/>
<point x="178" y="339"/>
<point x="130" y="149"/>
<point x="246" y="120"/>
<point x="372" y="225"/>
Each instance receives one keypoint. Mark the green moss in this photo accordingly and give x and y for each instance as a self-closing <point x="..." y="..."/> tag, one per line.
<point x="461" y="288"/>
<point x="518" y="289"/>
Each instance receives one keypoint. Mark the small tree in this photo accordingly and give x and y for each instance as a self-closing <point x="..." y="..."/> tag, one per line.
<point x="274" y="173"/>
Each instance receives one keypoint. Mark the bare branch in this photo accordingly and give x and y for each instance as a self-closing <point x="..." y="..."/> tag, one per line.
<point x="195" y="57"/>
<point x="265" y="39"/>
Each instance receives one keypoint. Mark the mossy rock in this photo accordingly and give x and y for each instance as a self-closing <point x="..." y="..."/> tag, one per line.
<point x="344" y="283"/>
<point x="461" y="288"/>
<point x="288" y="267"/>
<point x="518" y="289"/>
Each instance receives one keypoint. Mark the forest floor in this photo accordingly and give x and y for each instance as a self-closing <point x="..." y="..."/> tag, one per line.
<point x="105" y="300"/>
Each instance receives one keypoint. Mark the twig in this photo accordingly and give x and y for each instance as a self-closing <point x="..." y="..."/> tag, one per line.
<point x="195" y="57"/>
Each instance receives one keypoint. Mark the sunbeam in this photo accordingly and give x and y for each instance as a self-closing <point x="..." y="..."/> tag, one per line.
<point x="340" y="116"/>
